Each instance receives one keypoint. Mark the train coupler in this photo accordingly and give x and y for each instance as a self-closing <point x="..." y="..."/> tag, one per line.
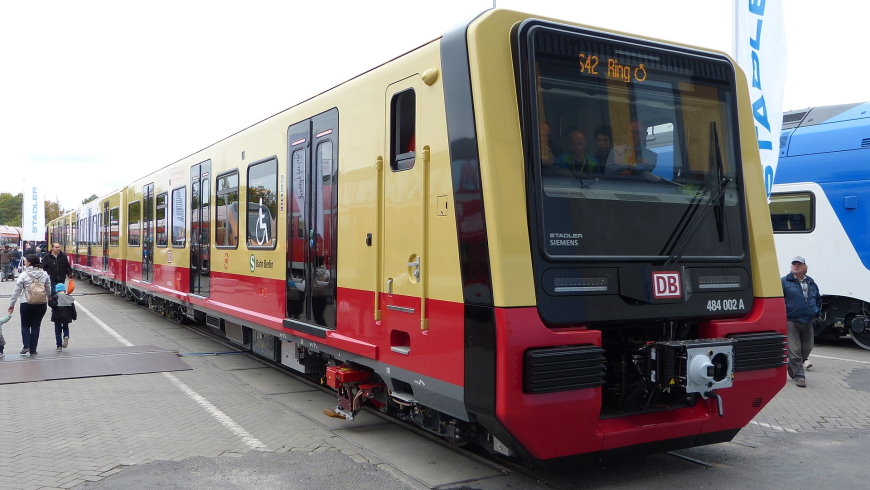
<point x="349" y="383"/>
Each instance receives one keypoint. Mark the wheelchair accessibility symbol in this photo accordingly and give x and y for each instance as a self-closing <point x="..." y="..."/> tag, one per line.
<point x="261" y="229"/>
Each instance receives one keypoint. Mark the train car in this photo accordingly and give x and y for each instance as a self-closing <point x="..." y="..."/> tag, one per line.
<point x="157" y="257"/>
<point x="111" y="271"/>
<point x="407" y="238"/>
<point x="10" y="235"/>
<point x="818" y="211"/>
<point x="94" y="241"/>
<point x="60" y="231"/>
<point x="89" y="252"/>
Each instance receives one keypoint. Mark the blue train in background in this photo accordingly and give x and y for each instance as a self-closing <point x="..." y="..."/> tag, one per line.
<point x="820" y="209"/>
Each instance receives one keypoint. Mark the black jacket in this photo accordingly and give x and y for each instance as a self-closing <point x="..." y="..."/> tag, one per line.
<point x="58" y="268"/>
<point x="62" y="310"/>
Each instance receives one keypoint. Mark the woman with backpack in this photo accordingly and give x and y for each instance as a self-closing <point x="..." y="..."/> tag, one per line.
<point x="36" y="286"/>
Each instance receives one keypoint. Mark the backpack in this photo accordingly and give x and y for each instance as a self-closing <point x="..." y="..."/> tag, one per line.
<point x="36" y="294"/>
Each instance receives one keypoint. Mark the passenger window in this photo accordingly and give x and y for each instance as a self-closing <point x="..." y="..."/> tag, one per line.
<point x="262" y="204"/>
<point x="402" y="138"/>
<point x="95" y="235"/>
<point x="297" y="205"/>
<point x="178" y="217"/>
<point x="661" y="141"/>
<point x="161" y="236"/>
<point x="792" y="212"/>
<point x="114" y="231"/>
<point x="134" y="215"/>
<point x="227" y="211"/>
<point x="325" y="221"/>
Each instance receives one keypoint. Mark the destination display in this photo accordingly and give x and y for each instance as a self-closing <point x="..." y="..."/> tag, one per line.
<point x="592" y="64"/>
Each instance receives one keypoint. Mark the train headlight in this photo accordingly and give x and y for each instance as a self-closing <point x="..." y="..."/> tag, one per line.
<point x="580" y="284"/>
<point x="719" y="282"/>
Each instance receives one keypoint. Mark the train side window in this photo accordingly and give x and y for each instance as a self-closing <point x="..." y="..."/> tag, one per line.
<point x="179" y="222"/>
<point x="95" y="228"/>
<point x="160" y="238"/>
<point x="402" y="139"/>
<point x="227" y="211"/>
<point x="134" y="217"/>
<point x="792" y="212"/>
<point x="262" y="204"/>
<point x="114" y="231"/>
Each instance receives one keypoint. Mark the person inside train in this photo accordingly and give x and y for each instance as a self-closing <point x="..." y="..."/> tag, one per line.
<point x="546" y="151"/>
<point x="632" y="158"/>
<point x="576" y="157"/>
<point x="603" y="144"/>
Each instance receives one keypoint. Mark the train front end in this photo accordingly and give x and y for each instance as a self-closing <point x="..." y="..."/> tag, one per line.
<point x="631" y="299"/>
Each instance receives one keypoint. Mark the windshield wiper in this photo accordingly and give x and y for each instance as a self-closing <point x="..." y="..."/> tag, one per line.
<point x="697" y="211"/>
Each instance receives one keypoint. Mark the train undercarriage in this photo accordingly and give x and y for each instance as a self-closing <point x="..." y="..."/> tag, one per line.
<point x="844" y="317"/>
<point x="653" y="367"/>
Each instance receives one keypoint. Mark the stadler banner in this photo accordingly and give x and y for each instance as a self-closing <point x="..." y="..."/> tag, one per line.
<point x="32" y="213"/>
<point x="759" y="46"/>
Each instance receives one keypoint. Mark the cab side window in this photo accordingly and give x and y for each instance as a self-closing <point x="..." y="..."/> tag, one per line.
<point x="403" y="110"/>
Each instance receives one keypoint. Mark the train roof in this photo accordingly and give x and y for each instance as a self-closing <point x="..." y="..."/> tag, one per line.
<point x="818" y="144"/>
<point x="825" y="114"/>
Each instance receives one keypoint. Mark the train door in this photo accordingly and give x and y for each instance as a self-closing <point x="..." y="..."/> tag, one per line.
<point x="312" y="220"/>
<point x="402" y="198"/>
<point x="76" y="239"/>
<point x="105" y="225"/>
<point x="148" y="232"/>
<point x="96" y="261"/>
<point x="200" y="192"/>
<point x="89" y="239"/>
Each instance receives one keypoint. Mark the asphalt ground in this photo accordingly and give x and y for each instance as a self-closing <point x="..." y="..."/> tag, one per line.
<point x="232" y="421"/>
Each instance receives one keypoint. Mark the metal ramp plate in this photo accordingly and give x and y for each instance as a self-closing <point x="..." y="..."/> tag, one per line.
<point x="87" y="363"/>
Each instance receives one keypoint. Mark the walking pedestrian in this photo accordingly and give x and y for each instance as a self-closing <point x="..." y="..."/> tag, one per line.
<point x="802" y="305"/>
<point x="5" y="263"/>
<point x="16" y="260"/>
<point x="63" y="311"/>
<point x="56" y="265"/>
<point x="35" y="284"/>
<point x="3" y="320"/>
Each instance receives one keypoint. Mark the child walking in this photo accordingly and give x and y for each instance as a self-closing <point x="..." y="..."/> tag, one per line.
<point x="3" y="320"/>
<point x="63" y="311"/>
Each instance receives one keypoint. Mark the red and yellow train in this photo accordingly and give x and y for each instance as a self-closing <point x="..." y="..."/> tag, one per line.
<point x="420" y="239"/>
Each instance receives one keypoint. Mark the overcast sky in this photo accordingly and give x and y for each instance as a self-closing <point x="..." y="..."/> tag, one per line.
<point x="96" y="93"/>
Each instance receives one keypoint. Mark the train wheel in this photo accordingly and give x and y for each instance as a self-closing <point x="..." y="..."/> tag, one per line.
<point x="859" y="330"/>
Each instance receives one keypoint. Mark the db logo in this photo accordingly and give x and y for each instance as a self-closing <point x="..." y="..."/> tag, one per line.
<point x="666" y="285"/>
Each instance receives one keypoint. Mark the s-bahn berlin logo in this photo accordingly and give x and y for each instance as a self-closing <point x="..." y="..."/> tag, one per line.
<point x="666" y="285"/>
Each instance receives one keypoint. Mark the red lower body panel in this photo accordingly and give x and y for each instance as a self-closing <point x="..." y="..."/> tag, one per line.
<point x="568" y="423"/>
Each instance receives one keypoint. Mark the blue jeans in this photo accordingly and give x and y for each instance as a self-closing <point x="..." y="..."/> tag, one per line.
<point x="31" y="317"/>
<point x="60" y="328"/>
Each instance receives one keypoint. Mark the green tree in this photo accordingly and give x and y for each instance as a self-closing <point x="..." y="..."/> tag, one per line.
<point x="10" y="209"/>
<point x="52" y="211"/>
<point x="89" y="199"/>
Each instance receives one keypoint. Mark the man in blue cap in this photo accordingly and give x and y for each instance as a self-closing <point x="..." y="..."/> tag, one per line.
<point x="802" y="304"/>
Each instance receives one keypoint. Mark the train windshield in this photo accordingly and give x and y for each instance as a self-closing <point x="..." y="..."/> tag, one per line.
<point x="635" y="149"/>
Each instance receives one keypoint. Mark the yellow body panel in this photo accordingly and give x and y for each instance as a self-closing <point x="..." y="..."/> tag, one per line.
<point x="765" y="270"/>
<point x="502" y="164"/>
